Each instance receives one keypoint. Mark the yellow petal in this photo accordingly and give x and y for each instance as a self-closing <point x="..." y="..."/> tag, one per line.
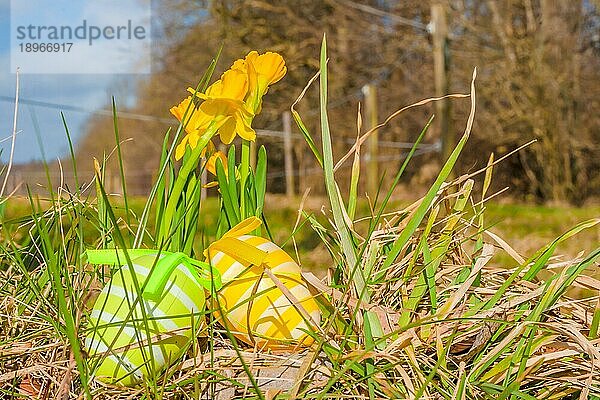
<point x="193" y="140"/>
<point x="211" y="185"/>
<point x="195" y="119"/>
<point x="252" y="56"/>
<point x="194" y="92"/>
<point x="213" y="90"/>
<point x="234" y="84"/>
<point x="270" y="66"/>
<point x="178" y="111"/>
<point x="240" y="65"/>
<point x="220" y="107"/>
<point x="255" y="91"/>
<point x="227" y="131"/>
<point x="232" y="102"/>
<point x="243" y="128"/>
<point x="180" y="149"/>
<point x="263" y="70"/>
<point x="211" y="163"/>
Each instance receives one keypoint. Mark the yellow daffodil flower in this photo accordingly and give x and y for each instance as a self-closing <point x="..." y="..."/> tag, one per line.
<point x="230" y="104"/>
<point x="195" y="124"/>
<point x="269" y="68"/>
<point x="262" y="70"/>
<point x="224" y="99"/>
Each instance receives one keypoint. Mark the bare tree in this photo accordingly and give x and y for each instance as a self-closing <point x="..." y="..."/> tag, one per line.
<point x="539" y="78"/>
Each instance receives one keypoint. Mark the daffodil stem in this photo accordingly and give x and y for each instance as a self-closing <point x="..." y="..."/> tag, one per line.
<point x="244" y="169"/>
<point x="182" y="177"/>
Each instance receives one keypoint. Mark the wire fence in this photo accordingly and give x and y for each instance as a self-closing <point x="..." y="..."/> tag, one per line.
<point x="24" y="179"/>
<point x="139" y="182"/>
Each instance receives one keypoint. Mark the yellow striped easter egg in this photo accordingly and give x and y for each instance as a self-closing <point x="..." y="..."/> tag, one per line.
<point x="256" y="310"/>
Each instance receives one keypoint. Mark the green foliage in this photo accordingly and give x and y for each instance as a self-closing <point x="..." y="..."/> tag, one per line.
<point x="241" y="199"/>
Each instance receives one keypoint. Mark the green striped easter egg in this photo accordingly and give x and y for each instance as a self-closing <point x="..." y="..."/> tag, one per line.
<point x="133" y="337"/>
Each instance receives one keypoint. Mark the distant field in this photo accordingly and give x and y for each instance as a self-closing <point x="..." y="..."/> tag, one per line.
<point x="528" y="227"/>
<point x="525" y="227"/>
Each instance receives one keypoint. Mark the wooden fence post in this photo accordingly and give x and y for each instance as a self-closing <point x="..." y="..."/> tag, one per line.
<point x="370" y="93"/>
<point x="203" y="182"/>
<point x="439" y="31"/>
<point x="288" y="154"/>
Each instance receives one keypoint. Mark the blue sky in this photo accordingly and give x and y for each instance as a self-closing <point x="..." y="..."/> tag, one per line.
<point x="91" y="92"/>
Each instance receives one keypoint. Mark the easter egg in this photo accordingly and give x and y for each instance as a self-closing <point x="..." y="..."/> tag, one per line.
<point x="254" y="308"/>
<point x="132" y="337"/>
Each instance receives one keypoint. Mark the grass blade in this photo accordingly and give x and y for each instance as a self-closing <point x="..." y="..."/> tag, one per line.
<point x="120" y="158"/>
<point x="416" y="219"/>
